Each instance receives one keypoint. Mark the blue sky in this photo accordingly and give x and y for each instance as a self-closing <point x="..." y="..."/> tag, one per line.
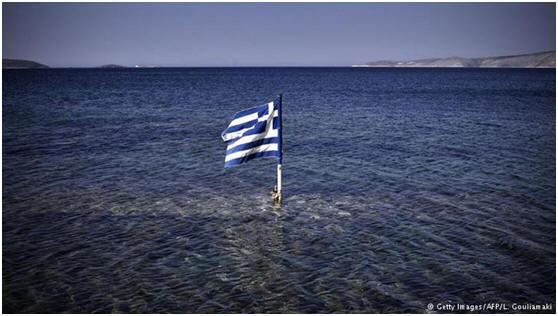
<point x="270" y="34"/>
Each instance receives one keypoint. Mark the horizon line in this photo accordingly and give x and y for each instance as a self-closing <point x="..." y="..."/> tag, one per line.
<point x="278" y="66"/>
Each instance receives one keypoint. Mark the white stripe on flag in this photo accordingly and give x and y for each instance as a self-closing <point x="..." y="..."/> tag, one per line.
<point x="236" y="134"/>
<point x="249" y="117"/>
<point x="239" y="133"/>
<point x="244" y="119"/>
<point x="244" y="153"/>
<point x="255" y="137"/>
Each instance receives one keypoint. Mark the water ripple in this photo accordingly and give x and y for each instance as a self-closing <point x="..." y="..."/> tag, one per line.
<point x="402" y="187"/>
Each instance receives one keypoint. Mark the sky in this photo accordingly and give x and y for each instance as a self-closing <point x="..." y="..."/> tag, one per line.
<point x="270" y="34"/>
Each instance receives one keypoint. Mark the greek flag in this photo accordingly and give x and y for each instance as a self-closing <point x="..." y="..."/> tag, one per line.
<point x="254" y="133"/>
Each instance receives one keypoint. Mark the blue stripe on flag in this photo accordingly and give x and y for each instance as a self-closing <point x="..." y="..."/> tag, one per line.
<point x="256" y="143"/>
<point x="257" y="129"/>
<point x="238" y="127"/>
<point x="235" y="162"/>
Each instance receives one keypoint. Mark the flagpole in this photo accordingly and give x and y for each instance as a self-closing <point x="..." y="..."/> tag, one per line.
<point x="279" y="181"/>
<point x="280" y="164"/>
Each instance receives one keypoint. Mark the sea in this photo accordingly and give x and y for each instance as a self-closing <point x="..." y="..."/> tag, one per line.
<point x="404" y="191"/>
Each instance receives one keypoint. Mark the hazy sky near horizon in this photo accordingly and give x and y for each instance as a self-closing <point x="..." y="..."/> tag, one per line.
<point x="270" y="34"/>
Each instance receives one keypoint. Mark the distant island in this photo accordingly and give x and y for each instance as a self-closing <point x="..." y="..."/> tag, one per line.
<point x="537" y="60"/>
<point x="20" y="64"/>
<point x="112" y="66"/>
<point x="29" y="64"/>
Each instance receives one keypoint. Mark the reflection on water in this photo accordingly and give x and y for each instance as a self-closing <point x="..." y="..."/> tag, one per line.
<point x="402" y="187"/>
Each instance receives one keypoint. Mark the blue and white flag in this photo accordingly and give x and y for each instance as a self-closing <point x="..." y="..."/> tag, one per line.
<point x="254" y="133"/>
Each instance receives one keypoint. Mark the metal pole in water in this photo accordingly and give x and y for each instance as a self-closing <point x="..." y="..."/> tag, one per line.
<point x="279" y="182"/>
<point x="280" y="164"/>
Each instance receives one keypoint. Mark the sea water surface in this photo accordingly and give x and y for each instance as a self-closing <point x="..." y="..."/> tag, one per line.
<point x="402" y="187"/>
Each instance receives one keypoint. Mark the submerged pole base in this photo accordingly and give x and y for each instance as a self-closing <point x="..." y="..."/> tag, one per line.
<point x="277" y="190"/>
<point x="276" y="197"/>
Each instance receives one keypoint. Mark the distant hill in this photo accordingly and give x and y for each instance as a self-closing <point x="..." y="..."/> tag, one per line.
<point x="537" y="60"/>
<point x="112" y="66"/>
<point x="20" y="63"/>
